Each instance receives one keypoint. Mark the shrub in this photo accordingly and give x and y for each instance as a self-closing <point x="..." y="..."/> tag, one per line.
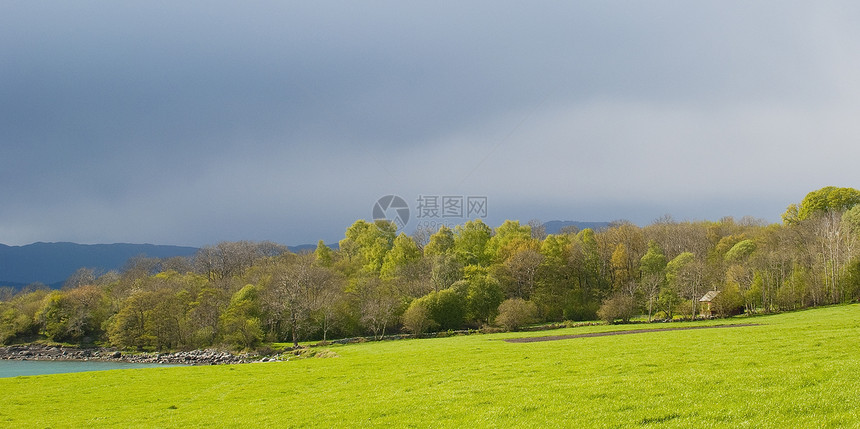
<point x="445" y="310"/>
<point x="448" y="309"/>
<point x="515" y="313"/>
<point x="483" y="298"/>
<point x="417" y="319"/>
<point x="619" y="306"/>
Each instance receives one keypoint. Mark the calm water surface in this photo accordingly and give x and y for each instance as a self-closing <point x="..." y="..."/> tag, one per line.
<point x="14" y="368"/>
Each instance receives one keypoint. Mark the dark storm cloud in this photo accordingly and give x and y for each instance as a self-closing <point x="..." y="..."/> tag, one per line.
<point x="197" y="122"/>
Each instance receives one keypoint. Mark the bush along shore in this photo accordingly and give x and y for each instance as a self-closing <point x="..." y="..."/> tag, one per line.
<point x="194" y="357"/>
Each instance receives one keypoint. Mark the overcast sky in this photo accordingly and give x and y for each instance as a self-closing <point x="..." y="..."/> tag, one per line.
<point x="201" y="122"/>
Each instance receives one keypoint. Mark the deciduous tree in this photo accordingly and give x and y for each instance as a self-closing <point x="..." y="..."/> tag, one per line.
<point x="653" y="266"/>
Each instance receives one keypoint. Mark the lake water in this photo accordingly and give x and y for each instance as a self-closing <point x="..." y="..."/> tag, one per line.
<point x="14" y="368"/>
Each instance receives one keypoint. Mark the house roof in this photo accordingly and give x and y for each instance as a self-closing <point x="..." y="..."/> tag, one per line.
<point x="709" y="296"/>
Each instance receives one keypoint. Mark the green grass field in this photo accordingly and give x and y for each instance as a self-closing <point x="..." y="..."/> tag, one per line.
<point x="794" y="370"/>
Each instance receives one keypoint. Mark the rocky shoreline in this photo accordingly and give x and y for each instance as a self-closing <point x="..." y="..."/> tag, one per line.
<point x="59" y="353"/>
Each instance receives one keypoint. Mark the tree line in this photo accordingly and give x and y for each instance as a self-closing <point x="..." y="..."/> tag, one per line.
<point x="245" y="294"/>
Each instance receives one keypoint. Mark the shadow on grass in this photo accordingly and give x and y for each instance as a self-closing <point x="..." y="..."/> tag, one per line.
<point x="632" y="331"/>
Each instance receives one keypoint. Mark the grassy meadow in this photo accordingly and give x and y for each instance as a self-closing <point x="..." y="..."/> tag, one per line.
<point x="793" y="370"/>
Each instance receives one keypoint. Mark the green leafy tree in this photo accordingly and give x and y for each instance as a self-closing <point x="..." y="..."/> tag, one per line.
<point x="740" y="251"/>
<point x="470" y="243"/>
<point x="741" y="275"/>
<point x="128" y="327"/>
<point x="556" y="249"/>
<point x="794" y="292"/>
<point x="621" y="275"/>
<point x="851" y="230"/>
<point x="851" y="220"/>
<point x="826" y="199"/>
<point x="445" y="270"/>
<point x="684" y="276"/>
<point x="653" y="269"/>
<point x="73" y="314"/>
<point x="241" y="326"/>
<point x="202" y="318"/>
<point x="441" y="242"/>
<point x="555" y="277"/>
<point x="509" y="238"/>
<point x="403" y="253"/>
<point x="148" y="320"/>
<point x="53" y="316"/>
<point x="324" y="255"/>
<point x="12" y="323"/>
<point x="668" y="301"/>
<point x="483" y="298"/>
<point x="592" y="285"/>
<point x="522" y="269"/>
<point x="18" y="316"/>
<point x="366" y="244"/>
<point x="852" y="280"/>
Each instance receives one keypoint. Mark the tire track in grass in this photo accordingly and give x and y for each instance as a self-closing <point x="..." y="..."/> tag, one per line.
<point x="632" y="331"/>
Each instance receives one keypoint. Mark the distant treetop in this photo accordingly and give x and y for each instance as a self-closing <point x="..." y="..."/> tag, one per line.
<point x="824" y="200"/>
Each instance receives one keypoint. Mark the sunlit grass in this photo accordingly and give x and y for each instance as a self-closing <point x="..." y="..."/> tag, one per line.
<point x="794" y="370"/>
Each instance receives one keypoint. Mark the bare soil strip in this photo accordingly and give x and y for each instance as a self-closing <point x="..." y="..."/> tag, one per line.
<point x="633" y="331"/>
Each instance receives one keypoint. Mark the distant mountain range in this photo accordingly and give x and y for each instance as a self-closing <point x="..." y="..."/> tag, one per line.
<point x="53" y="263"/>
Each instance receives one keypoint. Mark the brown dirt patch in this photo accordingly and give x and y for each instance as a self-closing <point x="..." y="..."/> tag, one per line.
<point x="632" y="331"/>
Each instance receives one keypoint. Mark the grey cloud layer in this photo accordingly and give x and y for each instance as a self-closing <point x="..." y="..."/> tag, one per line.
<point x="193" y="124"/>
